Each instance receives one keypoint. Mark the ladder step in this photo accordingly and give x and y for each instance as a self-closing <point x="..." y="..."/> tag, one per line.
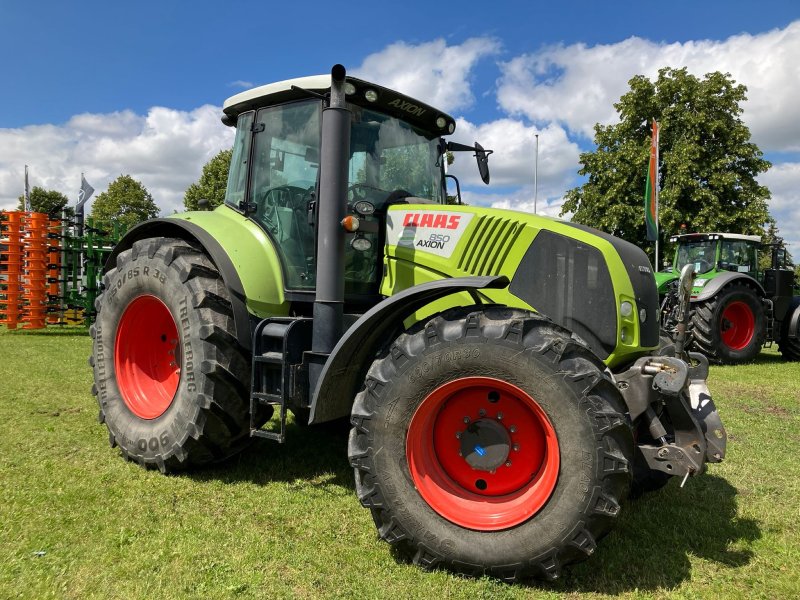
<point x="272" y="358"/>
<point x="265" y="398"/>
<point x="279" y="437"/>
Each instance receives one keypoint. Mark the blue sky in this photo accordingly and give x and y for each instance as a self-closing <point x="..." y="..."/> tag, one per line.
<point x="109" y="88"/>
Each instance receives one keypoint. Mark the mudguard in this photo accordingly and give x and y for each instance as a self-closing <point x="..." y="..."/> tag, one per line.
<point x="714" y="285"/>
<point x="344" y="371"/>
<point x="189" y="231"/>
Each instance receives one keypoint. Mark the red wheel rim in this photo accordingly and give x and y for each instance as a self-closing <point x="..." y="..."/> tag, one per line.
<point x="737" y="325"/>
<point x="493" y="472"/>
<point x="146" y="357"/>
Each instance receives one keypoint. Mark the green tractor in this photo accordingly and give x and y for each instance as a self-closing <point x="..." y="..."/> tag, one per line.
<point x="502" y="371"/>
<point x="737" y="306"/>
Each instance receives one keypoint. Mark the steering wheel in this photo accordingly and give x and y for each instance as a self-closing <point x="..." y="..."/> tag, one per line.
<point x="363" y="191"/>
<point x="703" y="266"/>
<point x="279" y="196"/>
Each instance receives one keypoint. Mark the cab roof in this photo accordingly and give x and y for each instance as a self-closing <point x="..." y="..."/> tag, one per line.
<point x="701" y="237"/>
<point x="387" y="101"/>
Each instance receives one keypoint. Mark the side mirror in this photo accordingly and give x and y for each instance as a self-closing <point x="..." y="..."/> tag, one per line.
<point x="482" y="156"/>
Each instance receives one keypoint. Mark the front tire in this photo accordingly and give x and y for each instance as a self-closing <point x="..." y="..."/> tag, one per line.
<point x="790" y="347"/>
<point x="729" y="328"/>
<point x="169" y="375"/>
<point x="544" y="458"/>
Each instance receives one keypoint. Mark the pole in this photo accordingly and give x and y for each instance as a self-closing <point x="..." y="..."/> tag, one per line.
<point x="658" y="180"/>
<point x="536" y="176"/>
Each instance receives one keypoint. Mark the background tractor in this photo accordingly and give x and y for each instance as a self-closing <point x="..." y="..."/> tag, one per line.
<point x="736" y="305"/>
<point x="501" y="371"/>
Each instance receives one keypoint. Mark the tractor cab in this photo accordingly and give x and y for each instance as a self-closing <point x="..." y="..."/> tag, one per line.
<point x="711" y="254"/>
<point x="396" y="155"/>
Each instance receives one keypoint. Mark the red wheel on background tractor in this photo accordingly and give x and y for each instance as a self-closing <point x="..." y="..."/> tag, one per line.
<point x="170" y="377"/>
<point x="729" y="328"/>
<point x="491" y="441"/>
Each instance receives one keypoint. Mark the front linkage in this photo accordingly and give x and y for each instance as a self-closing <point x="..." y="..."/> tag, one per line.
<point x="669" y="391"/>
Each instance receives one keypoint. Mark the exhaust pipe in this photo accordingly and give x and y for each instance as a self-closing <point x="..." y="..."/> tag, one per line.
<point x="331" y="209"/>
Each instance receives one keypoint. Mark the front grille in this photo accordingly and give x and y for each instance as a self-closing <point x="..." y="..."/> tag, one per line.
<point x="489" y="245"/>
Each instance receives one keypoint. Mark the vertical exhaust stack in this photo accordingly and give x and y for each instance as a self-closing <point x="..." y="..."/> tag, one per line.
<point x="332" y="208"/>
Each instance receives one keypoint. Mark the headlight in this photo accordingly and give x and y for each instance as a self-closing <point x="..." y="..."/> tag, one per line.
<point x="642" y="315"/>
<point x="626" y="309"/>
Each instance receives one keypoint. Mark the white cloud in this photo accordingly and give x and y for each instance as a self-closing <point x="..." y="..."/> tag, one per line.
<point x="577" y="84"/>
<point x="513" y="161"/>
<point x="433" y="72"/>
<point x="783" y="180"/>
<point x="165" y="150"/>
<point x="239" y="83"/>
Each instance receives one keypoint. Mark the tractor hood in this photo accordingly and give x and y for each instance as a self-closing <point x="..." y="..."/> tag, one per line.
<point x="594" y="284"/>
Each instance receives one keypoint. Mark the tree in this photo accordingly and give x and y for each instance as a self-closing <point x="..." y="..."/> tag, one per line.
<point x="708" y="164"/>
<point x="212" y="183"/>
<point x="126" y="201"/>
<point x="46" y="201"/>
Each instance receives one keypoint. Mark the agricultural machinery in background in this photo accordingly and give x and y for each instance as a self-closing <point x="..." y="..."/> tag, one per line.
<point x="502" y="371"/>
<point x="737" y="307"/>
<point x="50" y="268"/>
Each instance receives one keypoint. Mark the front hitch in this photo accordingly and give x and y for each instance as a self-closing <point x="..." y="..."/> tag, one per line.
<point x="669" y="396"/>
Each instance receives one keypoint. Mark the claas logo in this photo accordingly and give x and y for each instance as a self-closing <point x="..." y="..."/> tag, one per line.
<point x="432" y="220"/>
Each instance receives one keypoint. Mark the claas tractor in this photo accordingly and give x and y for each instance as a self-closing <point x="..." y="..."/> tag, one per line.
<point x="503" y="373"/>
<point x="736" y="305"/>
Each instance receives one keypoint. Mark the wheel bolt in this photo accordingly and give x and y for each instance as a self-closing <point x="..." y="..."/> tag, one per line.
<point x="481" y="413"/>
<point x="466" y="420"/>
<point x="499" y="416"/>
<point x="458" y="435"/>
<point x="513" y="429"/>
<point x="516" y="447"/>
<point x="508" y="463"/>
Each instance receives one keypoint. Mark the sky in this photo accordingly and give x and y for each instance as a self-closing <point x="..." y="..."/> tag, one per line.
<point x="105" y="88"/>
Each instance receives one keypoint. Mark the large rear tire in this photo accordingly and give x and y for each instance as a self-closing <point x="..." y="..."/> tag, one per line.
<point x="491" y="442"/>
<point x="169" y="375"/>
<point x="790" y="347"/>
<point x="729" y="328"/>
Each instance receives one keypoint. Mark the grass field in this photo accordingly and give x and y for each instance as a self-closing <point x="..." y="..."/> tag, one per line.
<point x="76" y="521"/>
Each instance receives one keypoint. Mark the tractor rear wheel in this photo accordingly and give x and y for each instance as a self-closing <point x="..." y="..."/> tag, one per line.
<point x="169" y="375"/>
<point x="790" y="347"/>
<point x="729" y="328"/>
<point x="491" y="441"/>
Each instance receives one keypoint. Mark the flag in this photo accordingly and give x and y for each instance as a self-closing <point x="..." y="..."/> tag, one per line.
<point x="651" y="189"/>
<point x="27" y="192"/>
<point x="85" y="192"/>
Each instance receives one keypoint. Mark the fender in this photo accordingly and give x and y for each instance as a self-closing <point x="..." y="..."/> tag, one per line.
<point x="187" y="230"/>
<point x="714" y="285"/>
<point x="344" y="371"/>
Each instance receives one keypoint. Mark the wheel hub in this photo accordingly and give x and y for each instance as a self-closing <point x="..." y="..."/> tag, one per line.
<point x="485" y="445"/>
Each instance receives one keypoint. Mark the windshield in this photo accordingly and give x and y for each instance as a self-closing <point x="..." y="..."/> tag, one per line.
<point x="699" y="254"/>
<point x="388" y="155"/>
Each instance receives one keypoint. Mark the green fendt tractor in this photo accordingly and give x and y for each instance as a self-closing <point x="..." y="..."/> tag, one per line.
<point x="501" y="370"/>
<point x="736" y="305"/>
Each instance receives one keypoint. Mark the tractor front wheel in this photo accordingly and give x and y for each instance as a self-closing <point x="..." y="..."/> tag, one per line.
<point x="729" y="328"/>
<point x="169" y="375"/>
<point x="491" y="441"/>
<point x="790" y="346"/>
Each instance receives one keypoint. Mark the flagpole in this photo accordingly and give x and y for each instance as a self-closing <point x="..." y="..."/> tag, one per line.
<point x="536" y="176"/>
<point x="657" y="182"/>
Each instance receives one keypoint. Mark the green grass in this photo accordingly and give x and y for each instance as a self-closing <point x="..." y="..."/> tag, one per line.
<point x="76" y="521"/>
